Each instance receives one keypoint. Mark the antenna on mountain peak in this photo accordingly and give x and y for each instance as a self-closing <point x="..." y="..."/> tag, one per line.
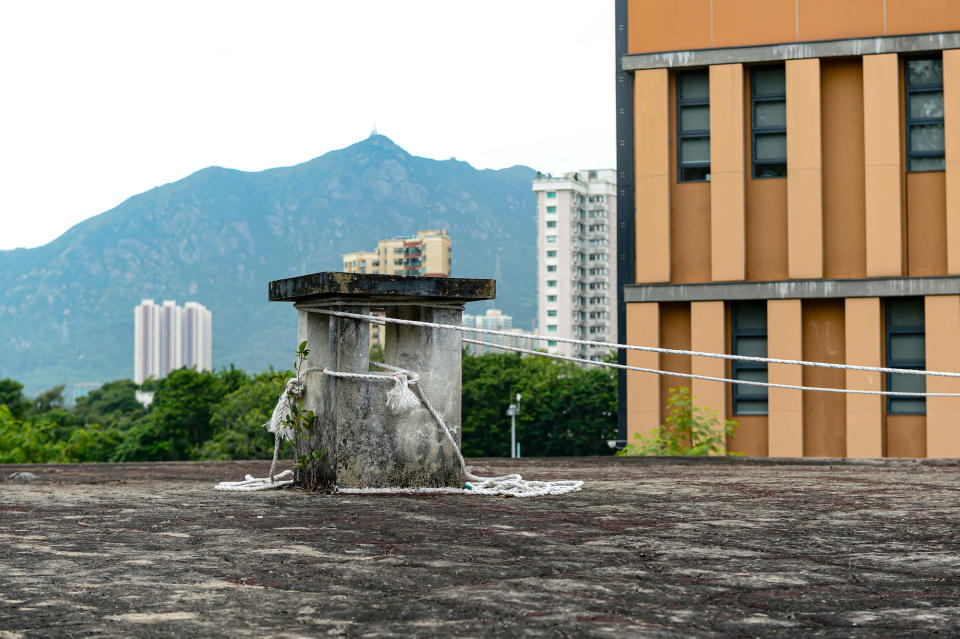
<point x="373" y="131"/>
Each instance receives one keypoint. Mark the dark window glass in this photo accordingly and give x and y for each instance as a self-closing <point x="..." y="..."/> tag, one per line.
<point x="749" y="337"/>
<point x="693" y="126"/>
<point x="924" y="86"/>
<point x="906" y="348"/>
<point x="768" y="118"/>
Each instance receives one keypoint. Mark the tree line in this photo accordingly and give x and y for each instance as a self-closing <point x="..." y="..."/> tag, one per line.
<point x="566" y="410"/>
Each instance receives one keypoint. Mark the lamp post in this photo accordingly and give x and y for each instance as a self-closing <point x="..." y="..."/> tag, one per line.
<point x="512" y="411"/>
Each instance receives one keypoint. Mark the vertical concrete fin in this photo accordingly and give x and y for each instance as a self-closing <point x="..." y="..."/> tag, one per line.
<point x="727" y="174"/>
<point x="708" y="334"/>
<point x="942" y="317"/>
<point x="804" y="170"/>
<point x="643" y="389"/>
<point x="652" y="166"/>
<point x="863" y="343"/>
<point x="785" y="341"/>
<point x="882" y="171"/>
<point x="951" y="121"/>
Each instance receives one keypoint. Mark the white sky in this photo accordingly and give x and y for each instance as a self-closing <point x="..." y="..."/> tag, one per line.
<point x="101" y="100"/>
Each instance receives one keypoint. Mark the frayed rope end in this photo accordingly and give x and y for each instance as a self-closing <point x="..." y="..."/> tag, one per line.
<point x="293" y="390"/>
<point x="401" y="399"/>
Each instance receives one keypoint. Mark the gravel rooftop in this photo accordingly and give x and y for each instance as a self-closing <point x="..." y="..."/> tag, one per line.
<point x="651" y="548"/>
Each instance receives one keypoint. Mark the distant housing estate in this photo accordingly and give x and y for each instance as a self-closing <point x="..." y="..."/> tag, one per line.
<point x="495" y="320"/>
<point x="576" y="259"/>
<point x="427" y="253"/>
<point x="169" y="337"/>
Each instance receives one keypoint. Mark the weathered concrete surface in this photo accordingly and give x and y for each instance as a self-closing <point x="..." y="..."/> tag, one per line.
<point x="367" y="444"/>
<point x="327" y="285"/>
<point x="649" y="549"/>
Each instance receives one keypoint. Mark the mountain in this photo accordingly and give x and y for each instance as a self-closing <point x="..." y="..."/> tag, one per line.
<point x="218" y="236"/>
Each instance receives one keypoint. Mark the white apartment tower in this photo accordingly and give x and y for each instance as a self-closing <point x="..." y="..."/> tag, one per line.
<point x="576" y="259"/>
<point x="197" y="337"/>
<point x="169" y="337"/>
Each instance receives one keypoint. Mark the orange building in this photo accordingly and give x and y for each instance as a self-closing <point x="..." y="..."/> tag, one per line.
<point x="789" y="186"/>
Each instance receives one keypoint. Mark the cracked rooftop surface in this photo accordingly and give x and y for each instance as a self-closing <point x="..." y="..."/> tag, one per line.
<point x="650" y="548"/>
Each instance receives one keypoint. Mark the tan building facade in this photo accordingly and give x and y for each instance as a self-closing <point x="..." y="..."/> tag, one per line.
<point x="789" y="186"/>
<point x="426" y="254"/>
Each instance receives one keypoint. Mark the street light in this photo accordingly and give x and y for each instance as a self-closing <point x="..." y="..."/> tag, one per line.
<point x="512" y="411"/>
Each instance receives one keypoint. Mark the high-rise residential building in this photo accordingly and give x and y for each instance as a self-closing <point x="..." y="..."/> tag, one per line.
<point x="787" y="188"/>
<point x="197" y="337"/>
<point x="576" y="259"/>
<point x="169" y="337"/>
<point x="146" y="344"/>
<point x="427" y="253"/>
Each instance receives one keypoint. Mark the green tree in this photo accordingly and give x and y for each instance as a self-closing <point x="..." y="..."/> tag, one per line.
<point x="689" y="430"/>
<point x="237" y="422"/>
<point x="565" y="410"/>
<point x="112" y="405"/>
<point x="11" y="396"/>
<point x="179" y="419"/>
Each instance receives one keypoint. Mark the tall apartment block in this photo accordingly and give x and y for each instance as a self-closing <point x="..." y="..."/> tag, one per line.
<point x="576" y="259"/>
<point x="169" y="337"/>
<point x="427" y="253"/>
<point x="789" y="186"/>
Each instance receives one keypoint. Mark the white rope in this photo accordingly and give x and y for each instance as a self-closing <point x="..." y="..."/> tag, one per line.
<point x="252" y="483"/>
<point x="631" y="347"/>
<point x="708" y="378"/>
<point x="292" y="391"/>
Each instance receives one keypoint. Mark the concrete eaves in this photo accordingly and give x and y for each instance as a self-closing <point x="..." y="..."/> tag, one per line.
<point x="794" y="289"/>
<point x="792" y="51"/>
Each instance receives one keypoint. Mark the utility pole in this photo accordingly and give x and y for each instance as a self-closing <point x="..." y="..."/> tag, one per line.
<point x="512" y="411"/>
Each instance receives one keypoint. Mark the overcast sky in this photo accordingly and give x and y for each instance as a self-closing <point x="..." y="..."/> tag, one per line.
<point x="103" y="100"/>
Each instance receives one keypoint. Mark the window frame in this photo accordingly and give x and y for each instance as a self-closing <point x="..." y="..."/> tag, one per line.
<point x="693" y="134"/>
<point x="736" y="365"/>
<point x="910" y="122"/>
<point x="912" y="364"/>
<point x="755" y="130"/>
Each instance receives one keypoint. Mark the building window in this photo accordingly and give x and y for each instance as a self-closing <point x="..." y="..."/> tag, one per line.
<point x="551" y="298"/>
<point x="551" y="343"/>
<point x="551" y="209"/>
<point x="551" y="239"/>
<point x="768" y="115"/>
<point x="551" y="224"/>
<point x="924" y="87"/>
<point x="551" y="195"/>
<point x="693" y="126"/>
<point x="551" y="268"/>
<point x="551" y="283"/>
<point x="552" y="313"/>
<point x="906" y="349"/>
<point x="551" y="328"/>
<point x="749" y="337"/>
<point x="551" y="253"/>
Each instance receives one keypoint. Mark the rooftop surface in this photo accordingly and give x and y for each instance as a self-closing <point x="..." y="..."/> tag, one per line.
<point x="650" y="548"/>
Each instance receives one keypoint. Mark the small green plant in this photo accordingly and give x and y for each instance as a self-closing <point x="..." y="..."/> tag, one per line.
<point x="300" y="421"/>
<point x="689" y="430"/>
